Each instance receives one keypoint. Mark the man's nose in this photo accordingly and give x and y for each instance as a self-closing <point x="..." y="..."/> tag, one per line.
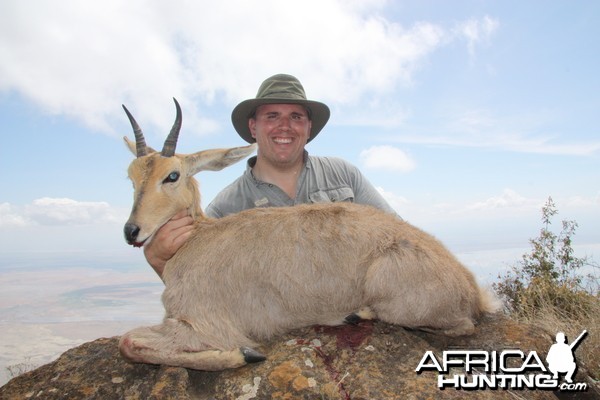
<point x="285" y="122"/>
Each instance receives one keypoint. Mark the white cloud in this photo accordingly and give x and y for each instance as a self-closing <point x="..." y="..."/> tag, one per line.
<point x="582" y="201"/>
<point x="482" y="128"/>
<point x="477" y="31"/>
<point x="387" y="158"/>
<point x="381" y="112"/>
<point x="59" y="212"/>
<point x="508" y="203"/>
<point x="10" y="217"/>
<point x="83" y="59"/>
<point x="508" y="199"/>
<point x="63" y="211"/>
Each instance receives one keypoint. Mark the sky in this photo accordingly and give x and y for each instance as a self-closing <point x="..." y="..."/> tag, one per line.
<point x="465" y="115"/>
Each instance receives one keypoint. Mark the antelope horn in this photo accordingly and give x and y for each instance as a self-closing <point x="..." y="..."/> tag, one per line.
<point x="171" y="141"/>
<point x="140" y="142"/>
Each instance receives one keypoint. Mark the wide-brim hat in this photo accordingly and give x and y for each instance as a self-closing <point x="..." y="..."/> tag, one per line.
<point x="279" y="89"/>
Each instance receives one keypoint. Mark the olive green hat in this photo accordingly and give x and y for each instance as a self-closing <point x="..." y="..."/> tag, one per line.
<point x="279" y="89"/>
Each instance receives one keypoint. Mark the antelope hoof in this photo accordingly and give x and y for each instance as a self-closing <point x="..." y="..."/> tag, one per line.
<point x="364" y="314"/>
<point x="252" y="356"/>
<point x="352" y="319"/>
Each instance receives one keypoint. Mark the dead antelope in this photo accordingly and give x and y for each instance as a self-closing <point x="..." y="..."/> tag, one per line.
<point x="246" y="277"/>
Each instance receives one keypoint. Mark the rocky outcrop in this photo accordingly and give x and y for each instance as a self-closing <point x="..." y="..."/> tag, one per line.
<point x="371" y="360"/>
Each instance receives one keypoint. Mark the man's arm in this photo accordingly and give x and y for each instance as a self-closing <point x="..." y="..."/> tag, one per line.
<point x="366" y="193"/>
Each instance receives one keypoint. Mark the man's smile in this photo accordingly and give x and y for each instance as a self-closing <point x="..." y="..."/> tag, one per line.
<point x="282" y="140"/>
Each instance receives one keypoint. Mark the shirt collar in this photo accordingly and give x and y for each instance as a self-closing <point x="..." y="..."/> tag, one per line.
<point x="252" y="162"/>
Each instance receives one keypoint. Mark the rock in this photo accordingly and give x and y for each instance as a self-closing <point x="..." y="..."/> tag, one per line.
<point x="370" y="360"/>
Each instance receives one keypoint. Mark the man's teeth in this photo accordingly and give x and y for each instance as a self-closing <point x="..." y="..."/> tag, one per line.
<point x="282" y="140"/>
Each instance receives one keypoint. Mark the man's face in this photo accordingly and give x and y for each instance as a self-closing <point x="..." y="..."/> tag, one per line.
<point x="281" y="131"/>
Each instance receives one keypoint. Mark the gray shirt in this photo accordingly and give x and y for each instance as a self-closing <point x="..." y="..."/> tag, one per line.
<point x="323" y="179"/>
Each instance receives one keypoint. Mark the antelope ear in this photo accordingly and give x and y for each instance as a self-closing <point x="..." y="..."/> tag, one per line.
<point x="217" y="159"/>
<point x="131" y="146"/>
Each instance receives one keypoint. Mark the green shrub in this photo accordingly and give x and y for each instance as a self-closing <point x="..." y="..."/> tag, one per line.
<point x="550" y="273"/>
<point x="548" y="289"/>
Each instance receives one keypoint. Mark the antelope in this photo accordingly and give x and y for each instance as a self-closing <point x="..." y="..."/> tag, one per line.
<point x="244" y="278"/>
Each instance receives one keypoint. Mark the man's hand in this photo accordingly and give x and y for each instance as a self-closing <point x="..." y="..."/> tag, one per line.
<point x="167" y="240"/>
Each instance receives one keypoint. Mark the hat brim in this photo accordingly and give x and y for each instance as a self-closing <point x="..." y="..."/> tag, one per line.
<point x="242" y="112"/>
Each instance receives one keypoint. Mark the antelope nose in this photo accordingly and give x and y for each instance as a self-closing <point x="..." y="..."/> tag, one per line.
<point x="131" y="232"/>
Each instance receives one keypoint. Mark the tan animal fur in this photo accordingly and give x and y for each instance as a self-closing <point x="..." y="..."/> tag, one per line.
<point x="242" y="279"/>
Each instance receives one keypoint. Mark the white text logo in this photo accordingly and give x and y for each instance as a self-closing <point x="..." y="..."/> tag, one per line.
<point x="507" y="369"/>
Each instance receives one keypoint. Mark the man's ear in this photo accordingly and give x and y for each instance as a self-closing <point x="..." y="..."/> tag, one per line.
<point x="252" y="127"/>
<point x="217" y="159"/>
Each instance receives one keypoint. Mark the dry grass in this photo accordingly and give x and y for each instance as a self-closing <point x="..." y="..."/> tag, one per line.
<point x="560" y="308"/>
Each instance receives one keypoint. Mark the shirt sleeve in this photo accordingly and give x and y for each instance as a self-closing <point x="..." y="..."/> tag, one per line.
<point x="212" y="211"/>
<point x="337" y="174"/>
<point x="365" y="192"/>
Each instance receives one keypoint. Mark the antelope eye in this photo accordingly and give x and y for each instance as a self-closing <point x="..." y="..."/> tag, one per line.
<point x="173" y="177"/>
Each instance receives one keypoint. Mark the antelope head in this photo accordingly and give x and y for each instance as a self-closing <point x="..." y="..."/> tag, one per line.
<point x="163" y="181"/>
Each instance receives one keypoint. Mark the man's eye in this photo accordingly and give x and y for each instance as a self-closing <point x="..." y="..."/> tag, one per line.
<point x="173" y="177"/>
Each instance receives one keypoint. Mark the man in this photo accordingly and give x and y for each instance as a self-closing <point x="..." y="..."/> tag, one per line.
<point x="281" y="121"/>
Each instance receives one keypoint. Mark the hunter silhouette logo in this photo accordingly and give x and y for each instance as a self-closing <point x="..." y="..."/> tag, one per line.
<point x="506" y="369"/>
<point x="560" y="357"/>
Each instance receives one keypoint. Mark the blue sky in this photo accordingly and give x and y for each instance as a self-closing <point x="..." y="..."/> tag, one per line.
<point x="466" y="115"/>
